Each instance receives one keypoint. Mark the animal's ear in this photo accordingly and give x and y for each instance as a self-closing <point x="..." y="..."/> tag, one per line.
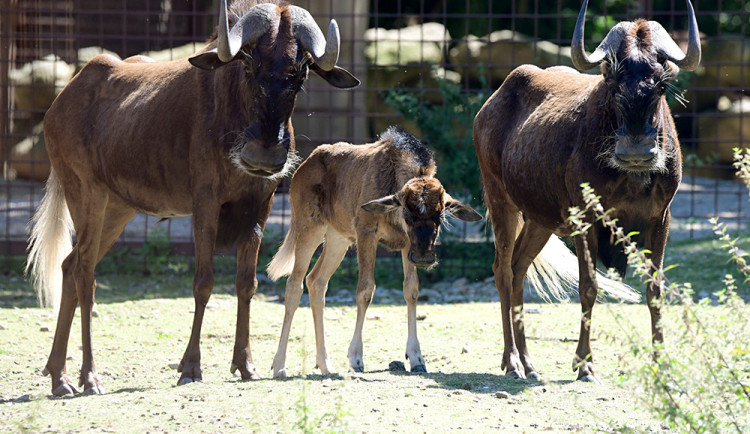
<point x="207" y="60"/>
<point x="337" y="77"/>
<point x="462" y="211"/>
<point x="382" y="205"/>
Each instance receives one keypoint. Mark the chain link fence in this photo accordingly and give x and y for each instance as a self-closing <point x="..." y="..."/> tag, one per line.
<point x="410" y="45"/>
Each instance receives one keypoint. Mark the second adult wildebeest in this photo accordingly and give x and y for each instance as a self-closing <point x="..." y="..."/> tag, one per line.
<point x="544" y="132"/>
<point x="209" y="137"/>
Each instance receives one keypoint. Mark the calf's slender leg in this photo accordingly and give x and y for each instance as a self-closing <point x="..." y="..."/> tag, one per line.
<point x="529" y="244"/>
<point x="308" y="239"/>
<point x="334" y="249"/>
<point x="411" y="294"/>
<point x="366" y="249"/>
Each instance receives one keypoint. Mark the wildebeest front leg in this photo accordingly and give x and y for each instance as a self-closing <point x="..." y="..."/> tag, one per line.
<point x="205" y="223"/>
<point x="529" y="244"/>
<point x="587" y="252"/>
<point x="656" y="241"/>
<point x="411" y="293"/>
<point x="366" y="250"/>
<point x="246" y="284"/>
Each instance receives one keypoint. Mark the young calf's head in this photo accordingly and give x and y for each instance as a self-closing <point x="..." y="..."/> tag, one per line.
<point x="424" y="204"/>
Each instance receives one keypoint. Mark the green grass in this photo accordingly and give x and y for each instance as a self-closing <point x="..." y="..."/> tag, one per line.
<point x="144" y="323"/>
<point x="136" y="341"/>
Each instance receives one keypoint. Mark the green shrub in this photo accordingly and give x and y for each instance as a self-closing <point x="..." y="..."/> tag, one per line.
<point x="699" y="379"/>
<point x="447" y="129"/>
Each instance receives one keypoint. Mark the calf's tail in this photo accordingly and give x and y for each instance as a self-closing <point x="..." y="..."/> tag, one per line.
<point x="283" y="261"/>
<point x="50" y="242"/>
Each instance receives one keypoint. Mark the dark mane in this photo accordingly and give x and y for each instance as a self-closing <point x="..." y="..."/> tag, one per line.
<point x="406" y="142"/>
<point x="638" y="41"/>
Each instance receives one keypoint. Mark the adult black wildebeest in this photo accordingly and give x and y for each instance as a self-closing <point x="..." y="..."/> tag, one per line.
<point x="210" y="136"/>
<point x="365" y="194"/>
<point x="544" y="132"/>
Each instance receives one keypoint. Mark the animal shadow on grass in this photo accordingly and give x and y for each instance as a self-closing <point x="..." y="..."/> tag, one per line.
<point x="482" y="383"/>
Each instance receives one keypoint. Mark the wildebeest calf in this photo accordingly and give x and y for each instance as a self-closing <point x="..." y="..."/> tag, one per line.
<point x="343" y="194"/>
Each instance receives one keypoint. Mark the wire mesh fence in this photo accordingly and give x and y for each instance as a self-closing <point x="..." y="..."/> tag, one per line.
<point x="410" y="45"/>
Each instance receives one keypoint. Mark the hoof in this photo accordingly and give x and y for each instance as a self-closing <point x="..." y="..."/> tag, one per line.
<point x="419" y="368"/>
<point x="533" y="376"/>
<point x="94" y="390"/>
<point x="65" y="389"/>
<point x="396" y="365"/>
<point x="515" y="374"/>
<point x="590" y="378"/>
<point x="187" y="380"/>
<point x="281" y="373"/>
<point x="246" y="374"/>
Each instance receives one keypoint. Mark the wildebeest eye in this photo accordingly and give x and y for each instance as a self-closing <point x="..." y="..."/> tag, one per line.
<point x="661" y="87"/>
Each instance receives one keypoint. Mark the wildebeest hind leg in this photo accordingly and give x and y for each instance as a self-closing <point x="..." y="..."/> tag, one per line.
<point x="61" y="384"/>
<point x="333" y="253"/>
<point x="411" y="293"/>
<point x="505" y="222"/>
<point x="309" y="238"/>
<point x="87" y="210"/>
<point x="529" y="243"/>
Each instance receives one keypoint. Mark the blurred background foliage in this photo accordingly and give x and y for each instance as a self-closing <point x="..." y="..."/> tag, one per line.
<point x="523" y="15"/>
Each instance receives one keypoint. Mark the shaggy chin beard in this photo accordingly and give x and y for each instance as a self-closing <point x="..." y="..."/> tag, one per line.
<point x="292" y="161"/>
<point x="657" y="166"/>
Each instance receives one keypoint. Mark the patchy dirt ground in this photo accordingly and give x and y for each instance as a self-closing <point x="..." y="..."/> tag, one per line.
<point x="138" y="343"/>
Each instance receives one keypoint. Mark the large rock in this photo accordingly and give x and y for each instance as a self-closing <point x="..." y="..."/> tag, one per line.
<point x="87" y="53"/>
<point x="502" y="51"/>
<point x="37" y="83"/>
<point x="28" y="158"/>
<point x="174" y="53"/>
<point x="723" y="130"/>
<point x="422" y="43"/>
<point x="403" y="58"/>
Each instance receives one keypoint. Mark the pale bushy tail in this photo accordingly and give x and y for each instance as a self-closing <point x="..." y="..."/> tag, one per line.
<point x="283" y="261"/>
<point x="556" y="268"/>
<point x="50" y="242"/>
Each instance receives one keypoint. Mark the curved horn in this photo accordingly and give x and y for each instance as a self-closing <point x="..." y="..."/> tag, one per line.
<point x="325" y="51"/>
<point x="254" y="24"/>
<point x="581" y="60"/>
<point x="667" y="47"/>
<point x="223" y="34"/>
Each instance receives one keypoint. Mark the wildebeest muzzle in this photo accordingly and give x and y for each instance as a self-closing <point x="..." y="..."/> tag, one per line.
<point x="263" y="154"/>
